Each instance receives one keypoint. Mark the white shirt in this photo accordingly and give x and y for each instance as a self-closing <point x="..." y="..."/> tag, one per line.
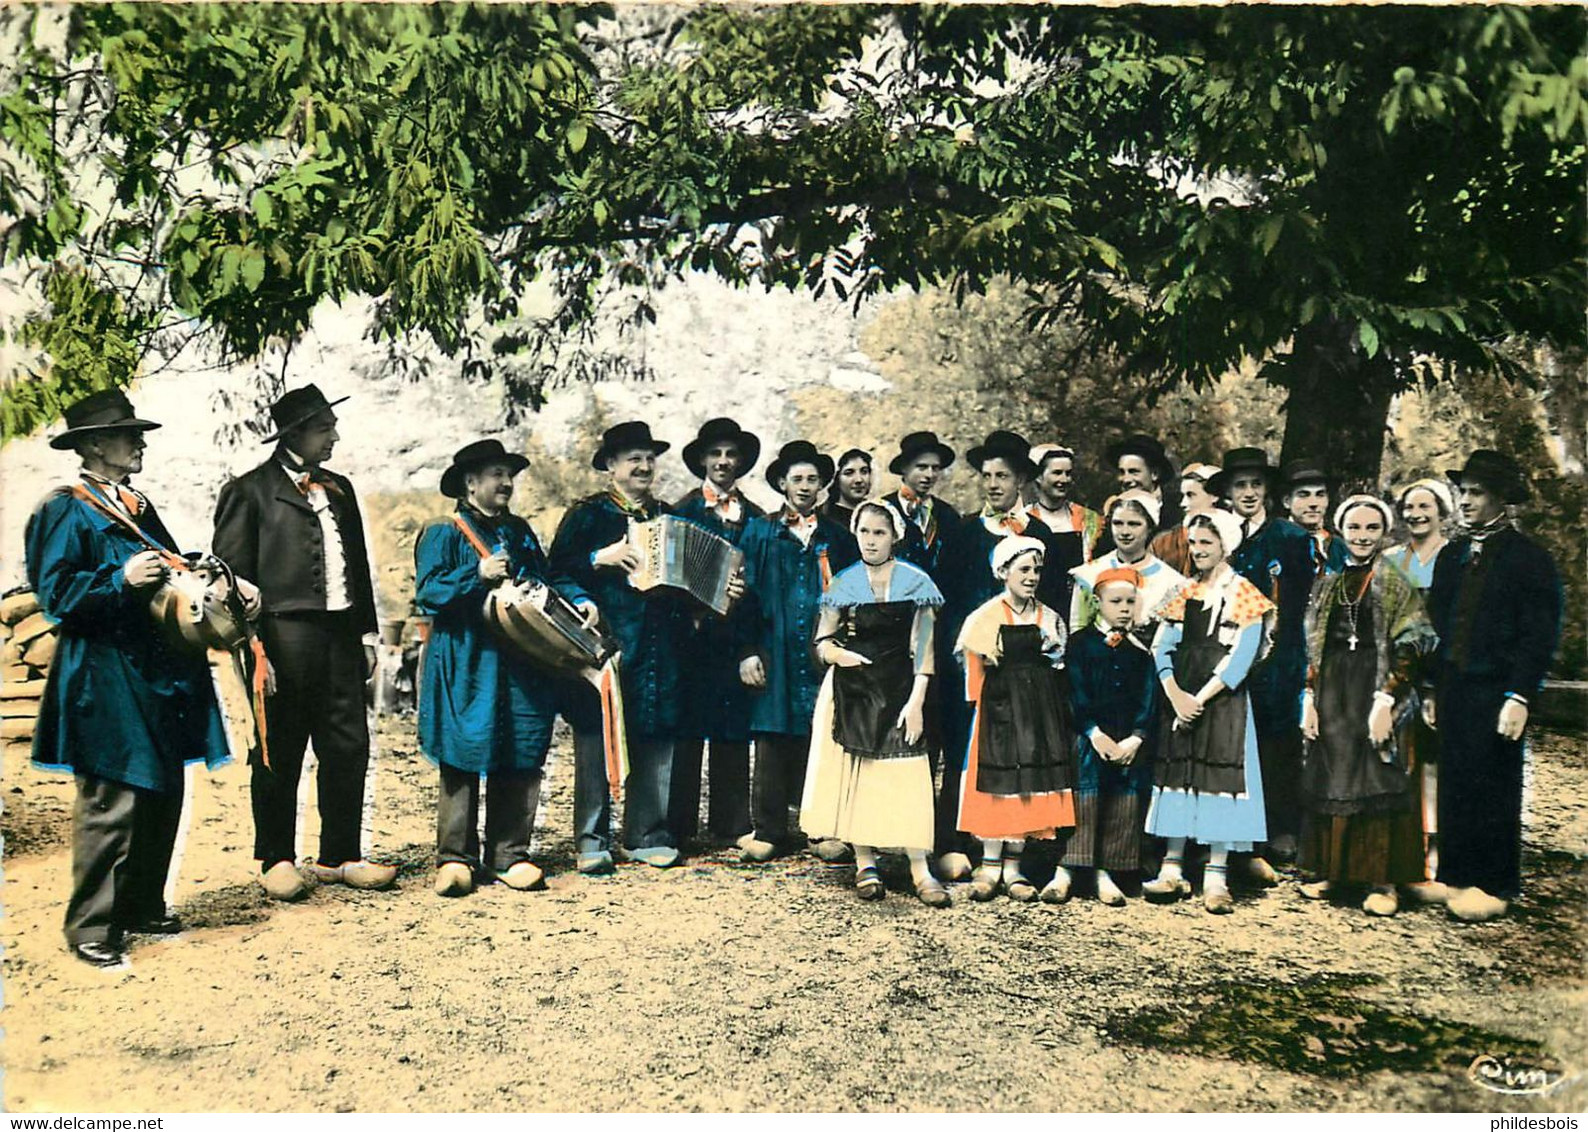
<point x="335" y="558"/>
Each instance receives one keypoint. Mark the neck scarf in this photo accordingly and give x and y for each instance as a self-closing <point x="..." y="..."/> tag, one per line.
<point x="311" y="478"/>
<point x="132" y="501"/>
<point x="1481" y="535"/>
<point x="633" y="510"/>
<point x="726" y="504"/>
<point x="800" y="526"/>
<point x="997" y="522"/>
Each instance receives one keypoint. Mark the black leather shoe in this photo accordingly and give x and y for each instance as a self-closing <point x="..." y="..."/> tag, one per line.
<point x="167" y="924"/>
<point x="100" y="953"/>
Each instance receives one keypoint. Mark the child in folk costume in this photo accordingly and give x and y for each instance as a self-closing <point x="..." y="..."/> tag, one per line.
<point x="484" y="709"/>
<point x="1114" y="691"/>
<point x="1209" y="786"/>
<point x="1017" y="774"/>
<point x="869" y="780"/>
<point x="1366" y="629"/>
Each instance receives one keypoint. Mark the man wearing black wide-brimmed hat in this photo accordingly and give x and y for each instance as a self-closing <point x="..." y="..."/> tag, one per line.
<point x="292" y="527"/>
<point x="651" y="626"/>
<point x="789" y="559"/>
<point x="484" y="710"/>
<point x="1276" y="556"/>
<point x="716" y="705"/>
<point x="1140" y="462"/>
<point x="920" y="464"/>
<point x="1496" y="605"/>
<point x="1306" y="501"/>
<point x="124" y="708"/>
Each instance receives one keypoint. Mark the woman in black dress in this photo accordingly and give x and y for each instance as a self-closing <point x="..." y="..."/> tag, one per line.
<point x="1366" y="630"/>
<point x="868" y="780"/>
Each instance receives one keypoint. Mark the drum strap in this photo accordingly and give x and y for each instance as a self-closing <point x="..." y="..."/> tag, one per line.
<point x="614" y="736"/>
<point x="92" y="499"/>
<point x="472" y="535"/>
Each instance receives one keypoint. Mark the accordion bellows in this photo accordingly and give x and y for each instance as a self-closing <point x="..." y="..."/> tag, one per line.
<point x="681" y="554"/>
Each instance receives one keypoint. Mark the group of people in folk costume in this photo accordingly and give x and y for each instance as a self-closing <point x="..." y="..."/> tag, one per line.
<point x="1187" y="665"/>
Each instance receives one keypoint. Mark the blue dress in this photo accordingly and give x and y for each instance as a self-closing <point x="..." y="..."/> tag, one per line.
<point x="784" y="584"/>
<point x="483" y="708"/>
<point x="122" y="702"/>
<point x="1206" y="789"/>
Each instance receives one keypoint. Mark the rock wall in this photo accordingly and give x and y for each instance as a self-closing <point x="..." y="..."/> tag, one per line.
<point x="713" y="351"/>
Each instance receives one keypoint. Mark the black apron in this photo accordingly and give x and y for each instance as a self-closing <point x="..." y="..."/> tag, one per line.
<point x="1026" y="740"/>
<point x="1342" y="772"/>
<point x="1210" y="755"/>
<point x="867" y="699"/>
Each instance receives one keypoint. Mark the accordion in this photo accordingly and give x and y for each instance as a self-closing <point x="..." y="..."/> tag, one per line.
<point x="547" y="628"/>
<point x="197" y="605"/>
<point x="684" y="555"/>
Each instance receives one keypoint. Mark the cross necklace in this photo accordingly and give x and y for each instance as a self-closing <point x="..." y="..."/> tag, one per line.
<point x="1349" y="607"/>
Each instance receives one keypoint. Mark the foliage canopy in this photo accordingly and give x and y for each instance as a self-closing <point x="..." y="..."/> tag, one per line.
<point x="1193" y="185"/>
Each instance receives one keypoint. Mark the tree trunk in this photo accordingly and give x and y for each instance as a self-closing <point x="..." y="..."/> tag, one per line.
<point x="1338" y="409"/>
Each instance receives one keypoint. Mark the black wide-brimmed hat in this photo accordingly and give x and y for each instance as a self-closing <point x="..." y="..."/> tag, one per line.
<point x="626" y="437"/>
<point x="717" y="431"/>
<point x="297" y="406"/>
<point x="478" y="455"/>
<point x="1005" y="445"/>
<point x="99" y="412"/>
<point x="1244" y="460"/>
<point x="1149" y="449"/>
<point x="1496" y="471"/>
<point x="914" y="445"/>
<point x="1307" y="470"/>
<point x="799" y="452"/>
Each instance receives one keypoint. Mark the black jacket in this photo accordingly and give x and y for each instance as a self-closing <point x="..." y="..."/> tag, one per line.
<point x="1505" y="630"/>
<point x="266" y="532"/>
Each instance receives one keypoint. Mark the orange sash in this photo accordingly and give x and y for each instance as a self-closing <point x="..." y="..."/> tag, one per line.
<point x="609" y="686"/>
<point x="175" y="561"/>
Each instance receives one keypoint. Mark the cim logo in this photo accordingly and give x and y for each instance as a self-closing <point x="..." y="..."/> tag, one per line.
<point x="1503" y="1075"/>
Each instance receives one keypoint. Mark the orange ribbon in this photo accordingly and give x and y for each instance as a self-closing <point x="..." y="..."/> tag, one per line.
<point x="304" y="481"/>
<point x="257" y="646"/>
<point x="89" y="496"/>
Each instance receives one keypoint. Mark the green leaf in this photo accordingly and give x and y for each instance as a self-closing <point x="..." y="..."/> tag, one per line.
<point x="1368" y="336"/>
<point x="253" y="269"/>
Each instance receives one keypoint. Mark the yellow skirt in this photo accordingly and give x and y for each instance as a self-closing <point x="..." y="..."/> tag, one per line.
<point x="884" y="803"/>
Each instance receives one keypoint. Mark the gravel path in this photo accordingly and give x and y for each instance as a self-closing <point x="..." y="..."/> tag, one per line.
<point x="723" y="987"/>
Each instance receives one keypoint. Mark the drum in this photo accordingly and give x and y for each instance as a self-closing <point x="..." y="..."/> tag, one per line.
<point x="197" y="607"/>
<point x="547" y="628"/>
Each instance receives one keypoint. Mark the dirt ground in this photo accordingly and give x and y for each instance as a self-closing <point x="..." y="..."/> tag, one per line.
<point x="724" y="987"/>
